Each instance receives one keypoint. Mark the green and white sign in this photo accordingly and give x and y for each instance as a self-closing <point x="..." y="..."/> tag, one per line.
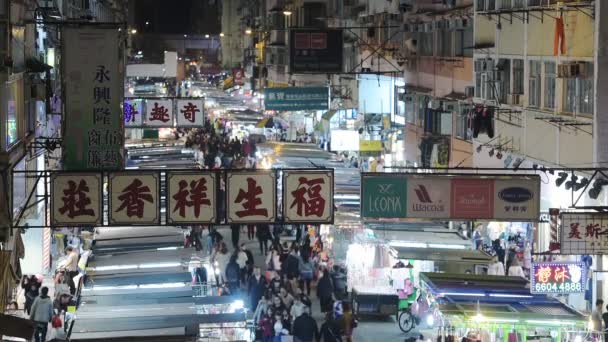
<point x="296" y="98"/>
<point x="384" y="196"/>
<point x="93" y="77"/>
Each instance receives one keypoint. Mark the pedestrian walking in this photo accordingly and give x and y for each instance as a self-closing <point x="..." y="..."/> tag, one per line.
<point x="222" y="258"/>
<point x="30" y="286"/>
<point x="41" y="314"/>
<point x="71" y="267"/>
<point x="305" y="328"/>
<point x="250" y="231"/>
<point x="233" y="273"/>
<point x="236" y="234"/>
<point x="241" y="260"/>
<point x="255" y="288"/>
<point x="306" y="273"/>
<point x="263" y="234"/>
<point x="325" y="290"/>
<point x="330" y="329"/>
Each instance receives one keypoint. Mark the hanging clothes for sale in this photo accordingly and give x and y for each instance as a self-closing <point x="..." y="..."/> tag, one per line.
<point x="483" y="121"/>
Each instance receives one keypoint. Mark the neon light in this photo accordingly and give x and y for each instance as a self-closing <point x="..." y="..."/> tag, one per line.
<point x="444" y="246"/>
<point x="506" y="295"/>
<point x="547" y="322"/>
<point x="463" y="294"/>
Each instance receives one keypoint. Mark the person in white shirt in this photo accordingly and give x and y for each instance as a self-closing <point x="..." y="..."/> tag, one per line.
<point x="496" y="267"/>
<point x="515" y="270"/>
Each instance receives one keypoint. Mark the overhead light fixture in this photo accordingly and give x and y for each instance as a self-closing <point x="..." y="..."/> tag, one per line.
<point x="491" y="153"/>
<point x="478" y="149"/>
<point x="287" y="12"/>
<point x="551" y="171"/>
<point x="248" y="31"/>
<point x="133" y="31"/>
<point x="517" y="163"/>
<point x="499" y="155"/>
<point x="508" y="161"/>
<point x="207" y="36"/>
<point x="562" y="176"/>
<point x="597" y="188"/>
<point x="570" y="184"/>
<point x="584" y="182"/>
<point x="222" y="34"/>
<point x="463" y="294"/>
<point x="509" y="295"/>
<point x="535" y="166"/>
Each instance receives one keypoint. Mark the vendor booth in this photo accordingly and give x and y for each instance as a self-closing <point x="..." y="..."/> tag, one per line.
<point x="496" y="308"/>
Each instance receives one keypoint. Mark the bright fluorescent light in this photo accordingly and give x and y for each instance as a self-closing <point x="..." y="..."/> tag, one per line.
<point x="162" y="264"/>
<point x="347" y="196"/>
<point x="463" y="294"/>
<point x="549" y="322"/>
<point x="506" y="295"/>
<point x="446" y="246"/>
<point x="106" y="288"/>
<point x="407" y="244"/>
<point x="113" y="268"/>
<point x="168" y="248"/>
<point x="495" y="320"/>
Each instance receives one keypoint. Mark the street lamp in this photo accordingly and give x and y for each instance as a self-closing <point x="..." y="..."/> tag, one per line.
<point x="221" y="34"/>
<point x="248" y="31"/>
<point x="287" y="12"/>
<point x="185" y="36"/>
<point x="207" y="36"/>
<point x="133" y="31"/>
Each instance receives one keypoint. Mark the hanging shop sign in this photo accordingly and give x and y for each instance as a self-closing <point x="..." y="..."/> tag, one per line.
<point x="251" y="196"/>
<point x="384" y="196"/>
<point x="558" y="277"/>
<point x="370" y="148"/>
<point x="76" y="199"/>
<point x="134" y="198"/>
<point x="433" y="196"/>
<point x="315" y="51"/>
<point x="583" y="233"/>
<point x="190" y="113"/>
<point x="296" y="98"/>
<point x="191" y="198"/>
<point x="93" y="136"/>
<point x="133" y="111"/>
<point x="159" y="113"/>
<point x="308" y="197"/>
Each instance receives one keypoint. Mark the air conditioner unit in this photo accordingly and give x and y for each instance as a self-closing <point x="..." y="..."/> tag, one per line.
<point x="469" y="92"/>
<point x="514" y="99"/>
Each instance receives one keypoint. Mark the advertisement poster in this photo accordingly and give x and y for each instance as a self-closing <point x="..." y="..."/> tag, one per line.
<point x="94" y="80"/>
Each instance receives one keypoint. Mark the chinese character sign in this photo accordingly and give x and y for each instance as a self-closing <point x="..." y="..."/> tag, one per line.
<point x="76" y="199"/>
<point x="191" y="197"/>
<point x="94" y="133"/>
<point x="134" y="198"/>
<point x="133" y="111"/>
<point x="159" y="113"/>
<point x="584" y="233"/>
<point x="190" y="113"/>
<point x="308" y="196"/>
<point x="558" y="277"/>
<point x="251" y="196"/>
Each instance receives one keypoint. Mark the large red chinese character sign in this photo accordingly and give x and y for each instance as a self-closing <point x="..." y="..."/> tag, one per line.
<point x="134" y="198"/>
<point x="251" y="197"/>
<point x="308" y="196"/>
<point x="583" y="233"/>
<point x="76" y="199"/>
<point x="190" y="113"/>
<point x="191" y="197"/>
<point x="159" y="113"/>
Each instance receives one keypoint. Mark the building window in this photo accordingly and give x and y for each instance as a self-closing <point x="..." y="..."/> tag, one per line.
<point x="444" y="43"/>
<point x="578" y="91"/>
<point x="426" y="43"/>
<point x="534" y="84"/>
<point x="464" y="42"/>
<point x="463" y="131"/>
<point x="502" y="78"/>
<point x="518" y="76"/>
<point x="549" y="97"/>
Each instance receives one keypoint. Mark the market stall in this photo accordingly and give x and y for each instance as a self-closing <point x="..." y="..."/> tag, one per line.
<point x="496" y="308"/>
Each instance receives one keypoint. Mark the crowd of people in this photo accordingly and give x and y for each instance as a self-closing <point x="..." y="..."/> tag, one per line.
<point x="218" y="150"/>
<point x="280" y="296"/>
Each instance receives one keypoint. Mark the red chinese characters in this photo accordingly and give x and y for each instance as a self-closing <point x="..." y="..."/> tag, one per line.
<point x="76" y="200"/>
<point x="133" y="197"/>
<point x="574" y="231"/>
<point x="543" y="275"/>
<point x="307" y="197"/>
<point x="189" y="112"/>
<point x="250" y="200"/>
<point x="195" y="197"/>
<point x="159" y="113"/>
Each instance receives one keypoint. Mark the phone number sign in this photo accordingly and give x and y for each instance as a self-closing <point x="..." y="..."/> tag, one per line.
<point x="558" y="277"/>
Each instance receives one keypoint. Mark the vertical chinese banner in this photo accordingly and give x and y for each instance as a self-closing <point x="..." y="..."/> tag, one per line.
<point x="133" y="111"/>
<point x="76" y="199"/>
<point x="159" y="113"/>
<point x="190" y="113"/>
<point x="308" y="196"/>
<point x="134" y="198"/>
<point x="251" y="196"/>
<point x="191" y="198"/>
<point x="93" y="75"/>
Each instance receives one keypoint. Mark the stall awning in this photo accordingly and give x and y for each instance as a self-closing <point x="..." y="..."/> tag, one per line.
<point x="410" y="89"/>
<point x="16" y="327"/>
<point x="329" y="114"/>
<point x="438" y="254"/>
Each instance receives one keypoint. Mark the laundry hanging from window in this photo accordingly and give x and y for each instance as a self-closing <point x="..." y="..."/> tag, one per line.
<point x="559" y="40"/>
<point x="483" y="121"/>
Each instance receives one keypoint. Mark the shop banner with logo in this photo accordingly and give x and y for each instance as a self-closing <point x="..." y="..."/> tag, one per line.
<point x="251" y="196"/>
<point x="433" y="196"/>
<point x="583" y="233"/>
<point x="159" y="113"/>
<point x="190" y="113"/>
<point x="308" y="197"/>
<point x="558" y="277"/>
<point x="296" y="98"/>
<point x="93" y="137"/>
<point x="383" y="196"/>
<point x="191" y="197"/>
<point x="134" y="198"/>
<point x="76" y="199"/>
<point x="133" y="111"/>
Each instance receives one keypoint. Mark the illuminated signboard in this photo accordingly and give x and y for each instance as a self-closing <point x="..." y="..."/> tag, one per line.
<point x="558" y="277"/>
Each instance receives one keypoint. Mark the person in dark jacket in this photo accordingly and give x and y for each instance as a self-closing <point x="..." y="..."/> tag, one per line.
<point x="263" y="234"/>
<point x="232" y="274"/>
<point x="330" y="329"/>
<point x="325" y="291"/>
<point x="236" y="234"/>
<point x="292" y="263"/>
<point x="31" y="293"/>
<point x="305" y="328"/>
<point x="256" y="288"/>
